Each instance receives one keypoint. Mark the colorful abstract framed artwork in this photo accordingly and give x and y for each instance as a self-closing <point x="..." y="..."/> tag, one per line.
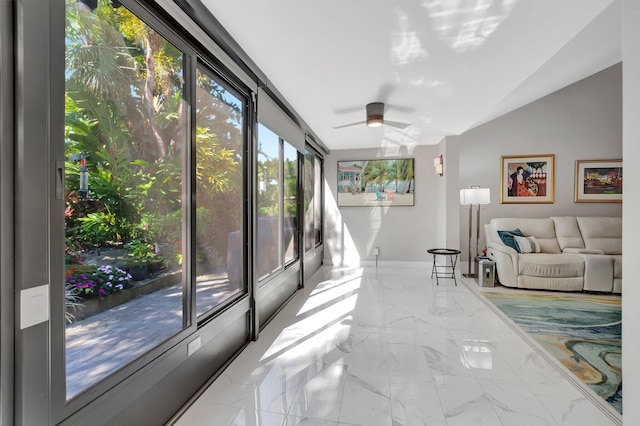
<point x="598" y="181"/>
<point x="527" y="179"/>
<point x="372" y="183"/>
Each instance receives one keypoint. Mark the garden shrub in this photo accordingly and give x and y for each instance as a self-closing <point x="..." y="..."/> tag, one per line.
<point x="91" y="281"/>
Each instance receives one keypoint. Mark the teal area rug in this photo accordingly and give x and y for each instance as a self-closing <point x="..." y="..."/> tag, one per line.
<point x="582" y="331"/>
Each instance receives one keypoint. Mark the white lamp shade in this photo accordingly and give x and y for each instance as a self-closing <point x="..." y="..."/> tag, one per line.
<point x="475" y="196"/>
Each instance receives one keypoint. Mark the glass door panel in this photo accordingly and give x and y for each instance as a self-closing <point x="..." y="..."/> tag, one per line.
<point x="309" y="188"/>
<point x="124" y="149"/>
<point x="219" y="158"/>
<point x="290" y="203"/>
<point x="269" y="253"/>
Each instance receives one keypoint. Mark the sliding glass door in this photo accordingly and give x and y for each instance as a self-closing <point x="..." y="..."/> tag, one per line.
<point x="220" y="136"/>
<point x="125" y="139"/>
<point x="153" y="187"/>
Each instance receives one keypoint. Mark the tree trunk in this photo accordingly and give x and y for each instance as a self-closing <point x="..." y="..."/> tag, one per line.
<point x="153" y="42"/>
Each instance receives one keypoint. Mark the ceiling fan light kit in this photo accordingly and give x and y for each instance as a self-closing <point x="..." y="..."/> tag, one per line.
<point x="375" y="121"/>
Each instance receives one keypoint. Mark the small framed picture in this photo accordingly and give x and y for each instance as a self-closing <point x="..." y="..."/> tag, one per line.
<point x="598" y="181"/>
<point x="527" y="179"/>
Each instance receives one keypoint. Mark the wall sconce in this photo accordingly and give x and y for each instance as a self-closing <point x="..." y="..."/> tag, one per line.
<point x="438" y="165"/>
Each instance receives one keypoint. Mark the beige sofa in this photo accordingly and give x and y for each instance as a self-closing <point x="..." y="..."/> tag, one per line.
<point x="575" y="253"/>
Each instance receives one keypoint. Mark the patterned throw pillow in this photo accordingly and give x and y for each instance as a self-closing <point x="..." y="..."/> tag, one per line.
<point x="527" y="244"/>
<point x="507" y="237"/>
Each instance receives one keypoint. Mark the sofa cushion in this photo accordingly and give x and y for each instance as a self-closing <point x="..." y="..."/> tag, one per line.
<point x="558" y="284"/>
<point x="602" y="233"/>
<point x="508" y="237"/>
<point x="550" y="265"/>
<point x="527" y="244"/>
<point x="568" y="232"/>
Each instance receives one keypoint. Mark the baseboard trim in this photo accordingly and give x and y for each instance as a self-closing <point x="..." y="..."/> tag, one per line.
<point x="394" y="264"/>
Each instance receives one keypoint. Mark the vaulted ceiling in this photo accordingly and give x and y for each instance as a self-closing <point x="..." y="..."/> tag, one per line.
<point x="441" y="66"/>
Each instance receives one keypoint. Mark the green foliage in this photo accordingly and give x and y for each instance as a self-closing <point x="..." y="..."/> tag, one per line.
<point x="125" y="113"/>
<point x="100" y="228"/>
<point x="141" y="253"/>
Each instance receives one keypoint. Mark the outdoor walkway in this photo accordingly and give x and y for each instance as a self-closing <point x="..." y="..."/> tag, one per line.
<point x="101" y="344"/>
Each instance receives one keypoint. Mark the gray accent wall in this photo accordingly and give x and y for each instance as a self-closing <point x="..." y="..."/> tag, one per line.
<point x="582" y="121"/>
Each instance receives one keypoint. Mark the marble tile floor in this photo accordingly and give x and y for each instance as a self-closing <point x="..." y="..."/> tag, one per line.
<point x="389" y="347"/>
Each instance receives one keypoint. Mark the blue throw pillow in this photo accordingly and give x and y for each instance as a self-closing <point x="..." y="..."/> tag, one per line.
<point x="508" y="239"/>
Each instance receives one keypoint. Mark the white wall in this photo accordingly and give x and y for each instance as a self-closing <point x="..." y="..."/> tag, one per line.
<point x="579" y="122"/>
<point x="631" y="226"/>
<point x="403" y="233"/>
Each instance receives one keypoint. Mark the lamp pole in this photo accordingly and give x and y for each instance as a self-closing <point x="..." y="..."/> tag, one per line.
<point x="469" y="274"/>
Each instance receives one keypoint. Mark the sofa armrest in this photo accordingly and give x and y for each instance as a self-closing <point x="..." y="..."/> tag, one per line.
<point x="506" y="259"/>
<point x="582" y="251"/>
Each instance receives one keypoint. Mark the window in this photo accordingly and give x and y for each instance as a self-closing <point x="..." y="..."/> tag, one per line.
<point x="269" y="194"/>
<point x="312" y="200"/>
<point x="277" y="202"/>
<point x="124" y="149"/>
<point x="290" y="203"/>
<point x="317" y="201"/>
<point x="220" y="124"/>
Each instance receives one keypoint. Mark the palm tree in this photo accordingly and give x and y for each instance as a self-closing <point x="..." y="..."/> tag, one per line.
<point x="375" y="172"/>
<point x="121" y="72"/>
<point x="406" y="172"/>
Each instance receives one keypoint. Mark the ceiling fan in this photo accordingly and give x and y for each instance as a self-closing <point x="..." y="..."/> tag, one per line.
<point x="375" y="118"/>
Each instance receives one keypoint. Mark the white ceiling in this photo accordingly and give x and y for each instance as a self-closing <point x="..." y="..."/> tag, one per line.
<point x="445" y="66"/>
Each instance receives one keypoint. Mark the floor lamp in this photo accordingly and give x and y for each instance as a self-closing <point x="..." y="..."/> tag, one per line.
<point x="469" y="197"/>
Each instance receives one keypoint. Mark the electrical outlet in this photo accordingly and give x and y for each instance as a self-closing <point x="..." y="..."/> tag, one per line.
<point x="193" y="346"/>
<point x="376" y="251"/>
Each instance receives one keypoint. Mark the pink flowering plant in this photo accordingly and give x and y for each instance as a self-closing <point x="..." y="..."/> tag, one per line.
<point x="91" y="281"/>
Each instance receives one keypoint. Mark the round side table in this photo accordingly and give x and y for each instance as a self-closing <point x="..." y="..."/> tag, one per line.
<point x="444" y="271"/>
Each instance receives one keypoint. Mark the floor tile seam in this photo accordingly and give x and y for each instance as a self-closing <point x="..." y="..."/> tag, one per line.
<point x="438" y="390"/>
<point x="525" y="383"/>
<point x="552" y="362"/>
<point x="526" y="386"/>
<point x="432" y="382"/>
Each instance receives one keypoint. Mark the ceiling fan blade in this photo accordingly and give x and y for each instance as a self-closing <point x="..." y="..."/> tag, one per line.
<point x="357" y="123"/>
<point x="399" y="108"/>
<point x="347" y="110"/>
<point x="397" y="124"/>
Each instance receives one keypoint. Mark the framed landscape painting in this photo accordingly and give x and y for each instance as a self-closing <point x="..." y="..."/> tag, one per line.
<point x="371" y="183"/>
<point x="598" y="181"/>
<point x="527" y="179"/>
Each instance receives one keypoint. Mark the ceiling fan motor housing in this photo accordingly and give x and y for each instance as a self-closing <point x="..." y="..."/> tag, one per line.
<point x="375" y="114"/>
